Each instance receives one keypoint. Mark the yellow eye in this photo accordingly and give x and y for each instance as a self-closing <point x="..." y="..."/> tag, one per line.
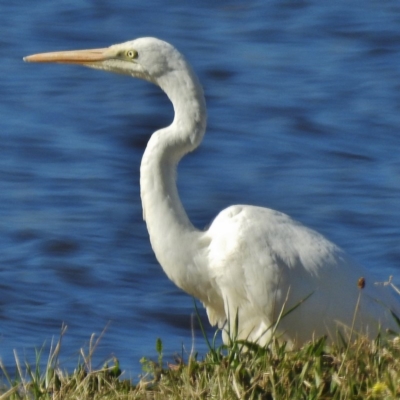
<point x="131" y="54"/>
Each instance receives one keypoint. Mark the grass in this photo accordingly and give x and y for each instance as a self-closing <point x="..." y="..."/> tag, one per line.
<point x="355" y="368"/>
<point x="361" y="369"/>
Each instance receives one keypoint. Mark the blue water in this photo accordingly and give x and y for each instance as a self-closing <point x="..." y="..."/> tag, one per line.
<point x="304" y="117"/>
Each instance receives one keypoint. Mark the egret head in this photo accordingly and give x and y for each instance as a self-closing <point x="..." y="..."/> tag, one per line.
<point x="145" y="58"/>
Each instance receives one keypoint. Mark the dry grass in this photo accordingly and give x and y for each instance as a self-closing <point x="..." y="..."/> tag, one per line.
<point x="362" y="369"/>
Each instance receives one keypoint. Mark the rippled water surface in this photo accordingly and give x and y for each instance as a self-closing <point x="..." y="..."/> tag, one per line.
<point x="304" y="117"/>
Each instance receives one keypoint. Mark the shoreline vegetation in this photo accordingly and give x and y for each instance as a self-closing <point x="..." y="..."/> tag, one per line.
<point x="354" y="369"/>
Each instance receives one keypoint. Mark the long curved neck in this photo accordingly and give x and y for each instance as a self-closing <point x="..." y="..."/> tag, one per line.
<point x="174" y="239"/>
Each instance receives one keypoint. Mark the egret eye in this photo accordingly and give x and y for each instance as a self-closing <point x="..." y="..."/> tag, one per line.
<point x="131" y="54"/>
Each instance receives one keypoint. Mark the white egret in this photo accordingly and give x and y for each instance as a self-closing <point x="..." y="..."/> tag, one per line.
<point x="252" y="262"/>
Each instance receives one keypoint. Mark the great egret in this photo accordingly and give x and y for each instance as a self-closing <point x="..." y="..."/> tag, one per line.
<point x="252" y="263"/>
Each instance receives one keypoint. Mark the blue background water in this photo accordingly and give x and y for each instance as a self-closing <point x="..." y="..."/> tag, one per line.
<point x="303" y="100"/>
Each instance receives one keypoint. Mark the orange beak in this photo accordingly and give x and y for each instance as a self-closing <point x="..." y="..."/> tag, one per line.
<point x="72" y="57"/>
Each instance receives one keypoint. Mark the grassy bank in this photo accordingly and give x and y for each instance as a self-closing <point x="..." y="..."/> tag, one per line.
<point x="362" y="369"/>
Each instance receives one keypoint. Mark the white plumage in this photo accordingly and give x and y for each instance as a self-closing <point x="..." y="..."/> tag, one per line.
<point x="252" y="262"/>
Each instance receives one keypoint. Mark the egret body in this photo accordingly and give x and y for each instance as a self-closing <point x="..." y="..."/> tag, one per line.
<point x="252" y="263"/>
